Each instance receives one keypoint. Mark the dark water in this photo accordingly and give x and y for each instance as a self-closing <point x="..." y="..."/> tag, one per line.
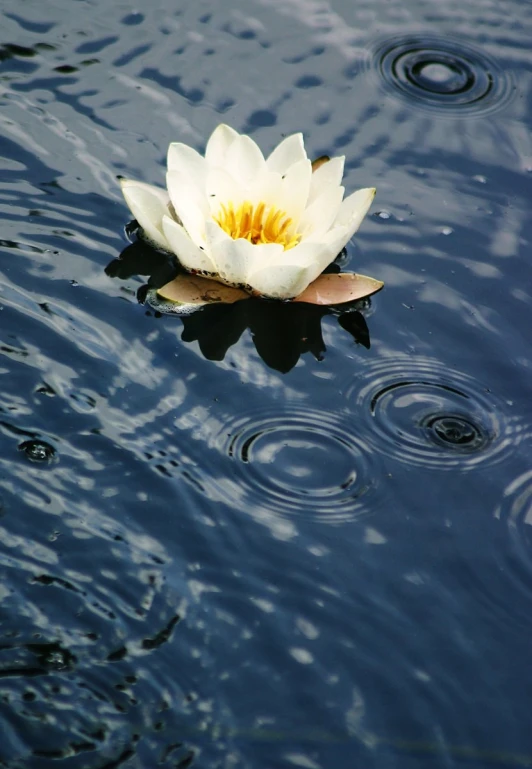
<point x="267" y="538"/>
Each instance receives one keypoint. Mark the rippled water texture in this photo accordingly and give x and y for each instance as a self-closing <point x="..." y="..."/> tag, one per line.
<point x="265" y="536"/>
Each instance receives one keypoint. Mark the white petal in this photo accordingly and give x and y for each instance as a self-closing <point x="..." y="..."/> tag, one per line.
<point x="284" y="282"/>
<point x="318" y="217"/>
<point x="266" y="189"/>
<point x="190" y="205"/>
<point x="327" y="176"/>
<point x="293" y="194"/>
<point x="188" y="162"/>
<point x="218" y="144"/>
<point x="302" y="255"/>
<point x="293" y="270"/>
<point x="235" y="260"/>
<point x="190" y="256"/>
<point x="315" y="255"/>
<point x="222" y="188"/>
<point x="148" y="205"/>
<point x="244" y="160"/>
<point x="214" y="236"/>
<point x="354" y="208"/>
<point x="330" y="246"/>
<point x="288" y="152"/>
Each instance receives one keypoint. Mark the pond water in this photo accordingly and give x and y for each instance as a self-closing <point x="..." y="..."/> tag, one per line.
<point x="267" y="536"/>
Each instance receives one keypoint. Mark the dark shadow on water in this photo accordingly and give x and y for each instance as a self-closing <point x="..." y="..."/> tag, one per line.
<point x="281" y="331"/>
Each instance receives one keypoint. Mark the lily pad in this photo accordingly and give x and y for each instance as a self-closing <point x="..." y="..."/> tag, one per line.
<point x="339" y="289"/>
<point x="197" y="290"/>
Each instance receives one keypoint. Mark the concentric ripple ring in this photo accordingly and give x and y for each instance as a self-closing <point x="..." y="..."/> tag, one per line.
<point x="418" y="411"/>
<point x="442" y="74"/>
<point x="300" y="461"/>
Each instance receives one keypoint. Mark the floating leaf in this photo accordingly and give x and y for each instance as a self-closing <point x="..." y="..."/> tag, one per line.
<point x="338" y="289"/>
<point x="319" y="162"/>
<point x="196" y="290"/>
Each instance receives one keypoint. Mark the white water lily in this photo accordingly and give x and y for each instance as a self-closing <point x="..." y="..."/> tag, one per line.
<point x="268" y="225"/>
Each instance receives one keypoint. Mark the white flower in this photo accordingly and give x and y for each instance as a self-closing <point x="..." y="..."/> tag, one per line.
<point x="268" y="225"/>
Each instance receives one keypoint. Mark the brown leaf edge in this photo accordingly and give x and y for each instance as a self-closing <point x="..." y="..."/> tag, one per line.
<point x="331" y="289"/>
<point x="319" y="162"/>
<point x="339" y="288"/>
<point x="197" y="290"/>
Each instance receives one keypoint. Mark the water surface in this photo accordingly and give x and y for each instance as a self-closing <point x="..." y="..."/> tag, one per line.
<point x="267" y="538"/>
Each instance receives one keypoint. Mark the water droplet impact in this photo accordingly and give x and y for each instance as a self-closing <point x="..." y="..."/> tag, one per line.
<point x="420" y="412"/>
<point x="456" y="431"/>
<point x="38" y="451"/>
<point x="442" y="74"/>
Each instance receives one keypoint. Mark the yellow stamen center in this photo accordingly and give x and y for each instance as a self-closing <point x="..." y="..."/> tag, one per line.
<point x="258" y="224"/>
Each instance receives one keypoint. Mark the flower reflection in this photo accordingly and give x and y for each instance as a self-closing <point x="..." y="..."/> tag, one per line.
<point x="281" y="332"/>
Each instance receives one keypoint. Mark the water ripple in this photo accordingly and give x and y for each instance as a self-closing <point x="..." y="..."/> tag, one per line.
<point x="421" y="412"/>
<point x="442" y="75"/>
<point x="301" y="461"/>
<point x="515" y="510"/>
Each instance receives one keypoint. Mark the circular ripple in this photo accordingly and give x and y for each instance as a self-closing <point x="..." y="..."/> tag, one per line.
<point x="441" y="74"/>
<point x="421" y="412"/>
<point x="301" y="462"/>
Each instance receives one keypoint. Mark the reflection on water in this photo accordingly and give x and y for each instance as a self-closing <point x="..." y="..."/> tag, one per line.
<point x="246" y="537"/>
<point x="281" y="332"/>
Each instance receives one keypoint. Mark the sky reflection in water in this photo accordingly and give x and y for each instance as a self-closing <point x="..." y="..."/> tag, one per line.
<point x="344" y="533"/>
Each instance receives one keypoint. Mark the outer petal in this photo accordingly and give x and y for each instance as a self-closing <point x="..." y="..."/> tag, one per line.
<point x="318" y="216"/>
<point x="188" y="162"/>
<point x="284" y="282"/>
<point x="330" y="246"/>
<point x="314" y="255"/>
<point x="219" y="144"/>
<point x="190" y="205"/>
<point x="148" y="205"/>
<point x="288" y="152"/>
<point x="327" y="176"/>
<point x="235" y="260"/>
<point x="354" y="208"/>
<point x="190" y="256"/>
<point x="244" y="160"/>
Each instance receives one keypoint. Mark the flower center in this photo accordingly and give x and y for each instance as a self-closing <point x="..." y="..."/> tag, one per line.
<point x="258" y="224"/>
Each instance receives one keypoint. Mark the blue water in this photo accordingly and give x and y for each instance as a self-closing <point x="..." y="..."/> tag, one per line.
<point x="266" y="536"/>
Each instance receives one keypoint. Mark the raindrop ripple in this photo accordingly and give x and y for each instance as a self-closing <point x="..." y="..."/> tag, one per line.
<point x="299" y="461"/>
<point x="38" y="451"/>
<point x="419" y="411"/>
<point x="442" y="74"/>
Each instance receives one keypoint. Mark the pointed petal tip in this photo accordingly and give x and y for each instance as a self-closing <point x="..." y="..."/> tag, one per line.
<point x="125" y="183"/>
<point x="224" y="128"/>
